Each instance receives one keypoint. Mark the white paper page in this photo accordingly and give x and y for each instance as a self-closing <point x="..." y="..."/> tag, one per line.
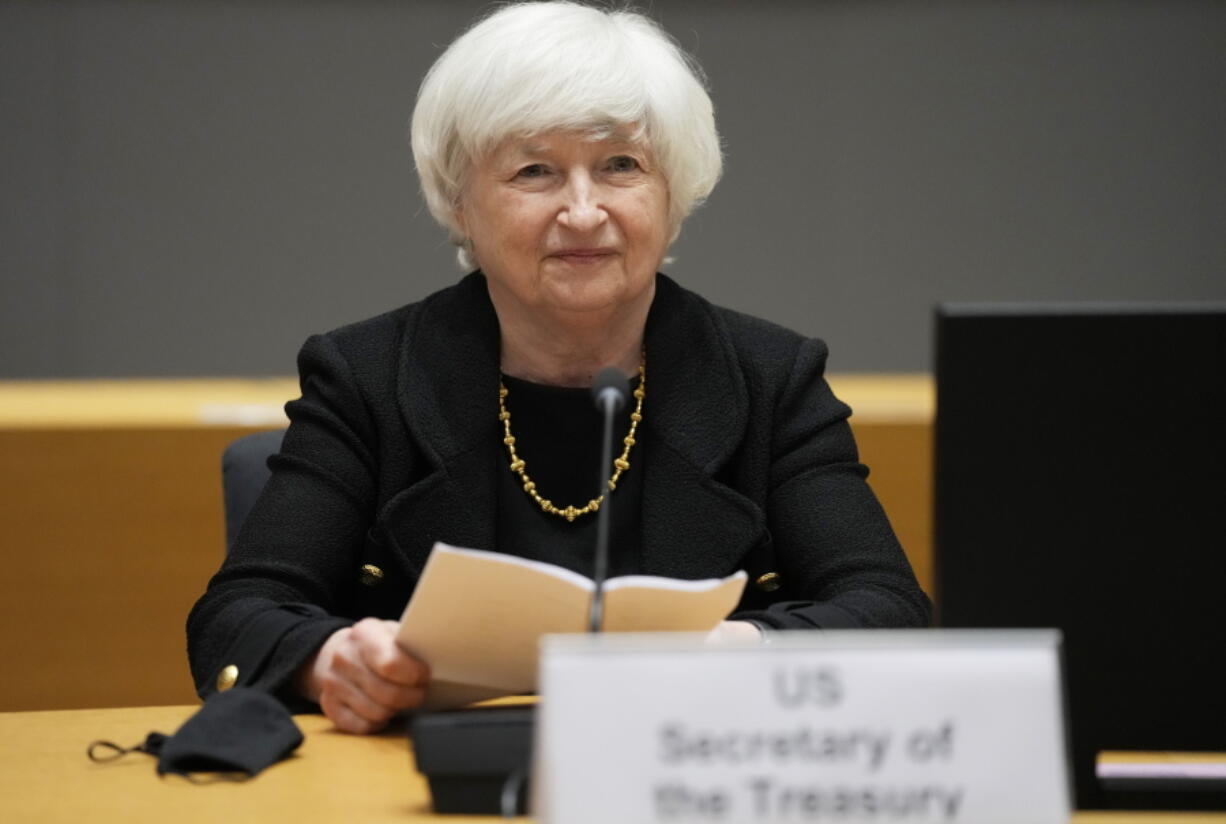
<point x="444" y="695"/>
<point x="640" y="603"/>
<point x="476" y="616"/>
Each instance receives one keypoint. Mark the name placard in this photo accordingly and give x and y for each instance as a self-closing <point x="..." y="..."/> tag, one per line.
<point x="882" y="726"/>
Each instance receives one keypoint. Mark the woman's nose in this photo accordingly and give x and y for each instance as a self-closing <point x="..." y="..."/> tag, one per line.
<point x="582" y="210"/>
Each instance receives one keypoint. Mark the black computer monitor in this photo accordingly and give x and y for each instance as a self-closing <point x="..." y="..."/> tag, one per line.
<point x="1081" y="484"/>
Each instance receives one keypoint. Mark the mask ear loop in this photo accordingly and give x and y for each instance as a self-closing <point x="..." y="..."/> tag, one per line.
<point x="152" y="745"/>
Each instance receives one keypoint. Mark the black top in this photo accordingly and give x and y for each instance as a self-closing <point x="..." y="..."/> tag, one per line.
<point x="558" y="433"/>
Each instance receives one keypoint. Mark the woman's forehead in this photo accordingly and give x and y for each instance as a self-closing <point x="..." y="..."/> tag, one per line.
<point x="544" y="143"/>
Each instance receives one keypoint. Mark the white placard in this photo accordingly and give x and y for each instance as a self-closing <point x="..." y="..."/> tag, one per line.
<point x="882" y="726"/>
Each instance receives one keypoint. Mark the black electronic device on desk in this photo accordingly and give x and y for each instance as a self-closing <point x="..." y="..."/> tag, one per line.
<point x="1080" y="484"/>
<point x="478" y="759"/>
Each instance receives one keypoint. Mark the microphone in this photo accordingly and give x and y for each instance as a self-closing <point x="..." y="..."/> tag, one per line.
<point x="477" y="759"/>
<point x="610" y="389"/>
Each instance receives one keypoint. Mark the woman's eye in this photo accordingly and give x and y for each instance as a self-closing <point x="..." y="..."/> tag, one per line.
<point x="530" y="171"/>
<point x="623" y="163"/>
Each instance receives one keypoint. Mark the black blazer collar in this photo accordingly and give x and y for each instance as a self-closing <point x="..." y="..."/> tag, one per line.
<point x="449" y="371"/>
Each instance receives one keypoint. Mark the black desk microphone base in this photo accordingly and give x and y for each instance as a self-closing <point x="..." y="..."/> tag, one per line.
<point x="470" y="755"/>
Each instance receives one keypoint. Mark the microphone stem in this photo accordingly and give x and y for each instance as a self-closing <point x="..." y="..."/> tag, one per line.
<point x="601" y="565"/>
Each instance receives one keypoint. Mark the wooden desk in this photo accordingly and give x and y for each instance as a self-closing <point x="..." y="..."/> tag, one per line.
<point x="110" y="497"/>
<point x="46" y="777"/>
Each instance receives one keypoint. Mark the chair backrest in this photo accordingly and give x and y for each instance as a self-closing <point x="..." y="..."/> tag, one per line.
<point x="244" y="471"/>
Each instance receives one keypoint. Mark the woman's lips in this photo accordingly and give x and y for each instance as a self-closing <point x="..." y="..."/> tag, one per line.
<point x="583" y="256"/>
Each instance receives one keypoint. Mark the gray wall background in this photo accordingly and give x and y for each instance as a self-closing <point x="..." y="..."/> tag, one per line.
<point x="191" y="188"/>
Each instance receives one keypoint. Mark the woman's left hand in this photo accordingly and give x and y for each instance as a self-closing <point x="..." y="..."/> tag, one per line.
<point x="735" y="632"/>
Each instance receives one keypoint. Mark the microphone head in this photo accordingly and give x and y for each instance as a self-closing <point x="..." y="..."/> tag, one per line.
<point x="610" y="385"/>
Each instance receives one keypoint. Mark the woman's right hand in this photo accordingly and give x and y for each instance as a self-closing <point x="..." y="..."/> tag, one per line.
<point x="361" y="677"/>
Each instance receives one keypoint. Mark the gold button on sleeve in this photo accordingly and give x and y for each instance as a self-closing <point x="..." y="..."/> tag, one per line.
<point x="227" y="678"/>
<point x="769" y="582"/>
<point x="370" y="575"/>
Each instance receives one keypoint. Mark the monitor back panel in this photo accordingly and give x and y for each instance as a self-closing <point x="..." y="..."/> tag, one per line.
<point x="1081" y="484"/>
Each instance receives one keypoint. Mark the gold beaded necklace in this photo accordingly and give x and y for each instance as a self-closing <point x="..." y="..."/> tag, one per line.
<point x="620" y="464"/>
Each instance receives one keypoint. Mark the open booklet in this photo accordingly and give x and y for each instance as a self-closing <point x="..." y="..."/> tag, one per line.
<point x="476" y="616"/>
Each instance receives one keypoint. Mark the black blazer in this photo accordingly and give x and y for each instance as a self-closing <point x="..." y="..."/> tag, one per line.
<point x="395" y="444"/>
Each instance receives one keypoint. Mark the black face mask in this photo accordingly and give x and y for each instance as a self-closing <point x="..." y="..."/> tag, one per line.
<point x="236" y="733"/>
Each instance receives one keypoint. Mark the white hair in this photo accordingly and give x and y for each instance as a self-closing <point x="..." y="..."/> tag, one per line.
<point x="535" y="67"/>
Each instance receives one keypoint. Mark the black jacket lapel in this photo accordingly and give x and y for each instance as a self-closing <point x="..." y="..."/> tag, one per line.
<point x="448" y="399"/>
<point x="694" y="416"/>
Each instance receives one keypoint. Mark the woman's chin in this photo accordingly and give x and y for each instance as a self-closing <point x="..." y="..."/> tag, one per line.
<point x="591" y="294"/>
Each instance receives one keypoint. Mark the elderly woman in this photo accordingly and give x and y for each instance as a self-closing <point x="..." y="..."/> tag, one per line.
<point x="562" y="147"/>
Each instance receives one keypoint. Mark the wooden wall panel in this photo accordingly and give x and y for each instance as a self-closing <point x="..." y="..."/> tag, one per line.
<point x="899" y="457"/>
<point x="110" y="536"/>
